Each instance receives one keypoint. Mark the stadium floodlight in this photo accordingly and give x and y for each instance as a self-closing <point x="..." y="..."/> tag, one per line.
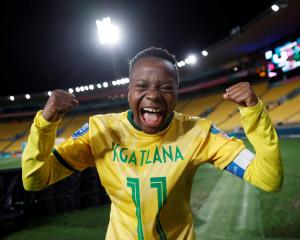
<point x="49" y="93"/>
<point x="77" y="89"/>
<point x="27" y="96"/>
<point x="275" y="7"/>
<point x="204" y="53"/>
<point x="190" y="59"/>
<point x="99" y="85"/>
<point x="114" y="83"/>
<point x="108" y="32"/>
<point x="82" y="88"/>
<point x="91" y="87"/>
<point x="71" y="90"/>
<point x="105" y="84"/>
<point x="12" y="98"/>
<point x="86" y="88"/>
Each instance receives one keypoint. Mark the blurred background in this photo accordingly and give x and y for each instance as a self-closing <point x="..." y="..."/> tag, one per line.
<point x="84" y="47"/>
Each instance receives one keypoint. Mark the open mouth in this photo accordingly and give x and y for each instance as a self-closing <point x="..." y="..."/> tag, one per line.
<point x="152" y="117"/>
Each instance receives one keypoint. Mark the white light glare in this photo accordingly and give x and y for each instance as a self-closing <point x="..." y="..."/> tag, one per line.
<point x="121" y="81"/>
<point x="27" y="96"/>
<point x="191" y="59"/>
<point x="105" y="84"/>
<point x="181" y="64"/>
<point x="108" y="32"/>
<point x="77" y="89"/>
<point x="71" y="90"/>
<point x="12" y="98"/>
<point x="49" y="93"/>
<point x="91" y="87"/>
<point x="82" y="88"/>
<point x="204" y="53"/>
<point x="275" y="7"/>
<point x="99" y="85"/>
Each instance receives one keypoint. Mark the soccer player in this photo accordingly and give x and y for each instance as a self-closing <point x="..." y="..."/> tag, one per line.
<point x="147" y="156"/>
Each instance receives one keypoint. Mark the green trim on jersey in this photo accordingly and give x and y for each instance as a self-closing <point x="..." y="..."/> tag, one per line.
<point x="137" y="127"/>
<point x="63" y="161"/>
<point x="134" y="184"/>
<point x="160" y="184"/>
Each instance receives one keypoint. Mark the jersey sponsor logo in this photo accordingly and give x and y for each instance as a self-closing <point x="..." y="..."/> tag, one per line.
<point x="84" y="129"/>
<point x="142" y="157"/>
<point x="216" y="130"/>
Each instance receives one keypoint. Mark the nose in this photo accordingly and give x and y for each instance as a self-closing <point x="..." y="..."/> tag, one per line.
<point x="153" y="94"/>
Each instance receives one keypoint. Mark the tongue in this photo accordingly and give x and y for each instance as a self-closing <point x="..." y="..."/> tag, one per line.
<point x="151" y="117"/>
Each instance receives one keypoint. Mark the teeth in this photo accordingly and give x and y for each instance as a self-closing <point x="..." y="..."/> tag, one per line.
<point x="152" y="110"/>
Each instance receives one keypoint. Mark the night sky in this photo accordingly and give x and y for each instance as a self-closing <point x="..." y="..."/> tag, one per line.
<point x="54" y="44"/>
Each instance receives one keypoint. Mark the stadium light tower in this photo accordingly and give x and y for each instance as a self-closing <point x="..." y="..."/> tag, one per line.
<point x="108" y="33"/>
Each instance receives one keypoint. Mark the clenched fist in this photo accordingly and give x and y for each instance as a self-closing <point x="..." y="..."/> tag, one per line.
<point x="242" y="94"/>
<point x="58" y="104"/>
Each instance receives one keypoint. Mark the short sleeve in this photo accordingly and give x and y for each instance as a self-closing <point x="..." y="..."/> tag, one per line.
<point x="220" y="149"/>
<point x="75" y="153"/>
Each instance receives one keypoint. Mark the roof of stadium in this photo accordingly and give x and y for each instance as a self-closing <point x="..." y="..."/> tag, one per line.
<point x="54" y="44"/>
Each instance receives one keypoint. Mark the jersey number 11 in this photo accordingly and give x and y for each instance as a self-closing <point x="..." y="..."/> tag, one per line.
<point x="160" y="184"/>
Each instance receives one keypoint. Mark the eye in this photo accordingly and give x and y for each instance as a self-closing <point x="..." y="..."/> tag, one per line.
<point x="167" y="87"/>
<point x="141" y="86"/>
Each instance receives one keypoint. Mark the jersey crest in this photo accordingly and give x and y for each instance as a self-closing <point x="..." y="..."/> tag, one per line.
<point x="216" y="130"/>
<point x="84" y="129"/>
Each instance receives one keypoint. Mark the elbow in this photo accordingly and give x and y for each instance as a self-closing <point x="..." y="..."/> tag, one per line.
<point x="268" y="181"/>
<point x="273" y="184"/>
<point x="30" y="185"/>
<point x="32" y="175"/>
<point x="32" y="181"/>
<point x="276" y="186"/>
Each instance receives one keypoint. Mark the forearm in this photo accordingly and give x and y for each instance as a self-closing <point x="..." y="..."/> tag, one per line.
<point x="265" y="171"/>
<point x="39" y="166"/>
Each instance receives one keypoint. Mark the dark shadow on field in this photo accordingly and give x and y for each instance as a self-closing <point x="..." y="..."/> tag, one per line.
<point x="19" y="208"/>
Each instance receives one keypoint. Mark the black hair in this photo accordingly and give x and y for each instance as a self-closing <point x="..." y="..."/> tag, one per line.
<point x="155" y="52"/>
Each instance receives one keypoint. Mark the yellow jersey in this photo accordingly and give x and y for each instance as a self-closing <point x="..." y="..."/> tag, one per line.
<point x="147" y="176"/>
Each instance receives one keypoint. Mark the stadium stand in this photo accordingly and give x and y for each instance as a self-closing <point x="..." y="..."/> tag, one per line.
<point x="11" y="134"/>
<point x="4" y="144"/>
<point x="181" y="104"/>
<point x="285" y="111"/>
<point x="16" y="146"/>
<point x="201" y="104"/>
<point x="11" y="130"/>
<point x="233" y="123"/>
<point x="260" y="88"/>
<point x="294" y="119"/>
<point x="74" y="124"/>
<point x="281" y="90"/>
